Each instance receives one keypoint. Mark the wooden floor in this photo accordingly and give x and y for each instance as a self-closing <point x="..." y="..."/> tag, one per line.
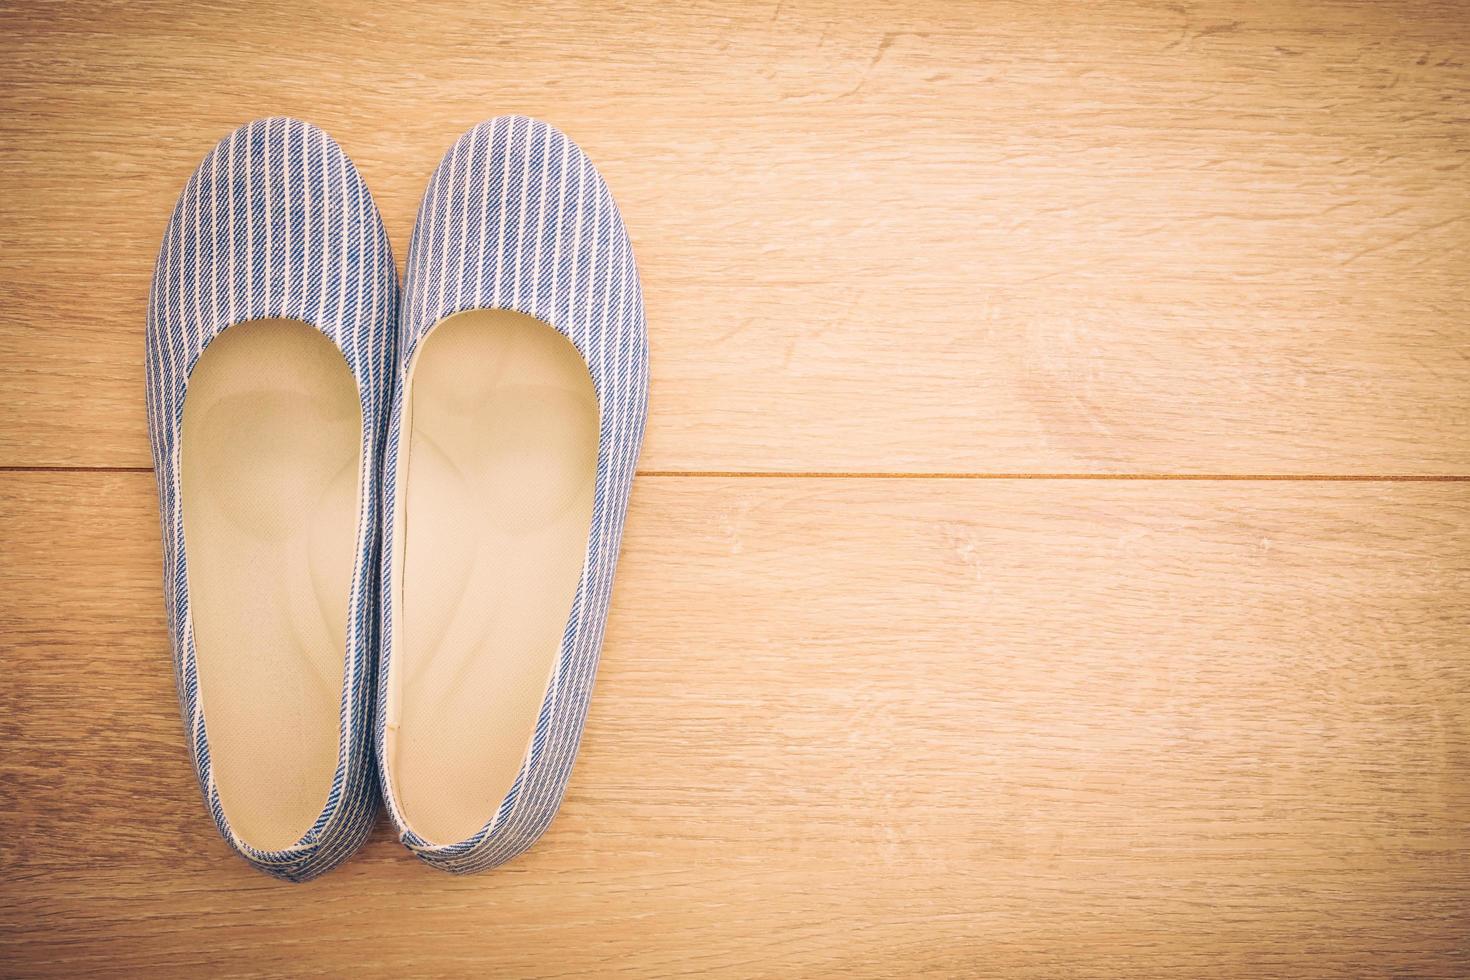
<point x="1051" y="555"/>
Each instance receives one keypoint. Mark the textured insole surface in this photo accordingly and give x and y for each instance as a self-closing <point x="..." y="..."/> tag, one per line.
<point x="271" y="454"/>
<point x="495" y="496"/>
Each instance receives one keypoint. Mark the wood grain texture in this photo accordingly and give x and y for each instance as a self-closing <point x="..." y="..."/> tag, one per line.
<point x="843" y="727"/>
<point x="871" y="727"/>
<point x="1114" y="237"/>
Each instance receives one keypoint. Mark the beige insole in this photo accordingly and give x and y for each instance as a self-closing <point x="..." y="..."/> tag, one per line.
<point x="495" y="503"/>
<point x="271" y="455"/>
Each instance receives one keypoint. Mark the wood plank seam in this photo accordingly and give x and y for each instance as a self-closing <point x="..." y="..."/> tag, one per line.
<point x="899" y="475"/>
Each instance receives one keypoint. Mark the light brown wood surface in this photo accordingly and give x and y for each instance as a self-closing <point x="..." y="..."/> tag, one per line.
<point x="842" y="726"/>
<point x="1142" y="713"/>
<point x="874" y="236"/>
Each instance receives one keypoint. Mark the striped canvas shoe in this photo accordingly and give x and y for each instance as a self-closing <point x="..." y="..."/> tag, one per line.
<point x="269" y="354"/>
<point x="518" y="414"/>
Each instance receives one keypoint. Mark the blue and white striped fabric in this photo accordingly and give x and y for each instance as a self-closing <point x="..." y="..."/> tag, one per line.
<point x="276" y="223"/>
<point x="516" y="218"/>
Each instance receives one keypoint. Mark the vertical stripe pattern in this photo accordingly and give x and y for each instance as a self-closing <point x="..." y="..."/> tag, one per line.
<point x="277" y="223"/>
<point x="516" y="218"/>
